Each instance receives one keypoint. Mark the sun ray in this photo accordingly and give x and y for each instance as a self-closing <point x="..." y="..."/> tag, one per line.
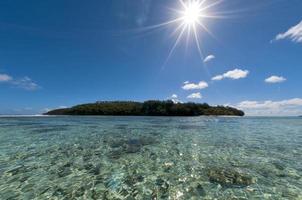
<point x="188" y="37"/>
<point x="178" y="28"/>
<point x="174" y="46"/>
<point x="212" y="5"/>
<point x="160" y="25"/>
<point x="207" y="30"/>
<point x="191" y="18"/>
<point x="197" y="43"/>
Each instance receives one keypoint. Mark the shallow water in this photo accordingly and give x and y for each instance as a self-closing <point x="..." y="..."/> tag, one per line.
<point x="150" y="158"/>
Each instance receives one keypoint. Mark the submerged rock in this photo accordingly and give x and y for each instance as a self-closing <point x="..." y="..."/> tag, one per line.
<point x="197" y="191"/>
<point x="147" y="140"/>
<point x="141" y="141"/>
<point x="58" y="191"/>
<point x="96" y="170"/>
<point x="227" y="176"/>
<point x="79" y="192"/>
<point x="200" y="190"/>
<point x="279" y="165"/>
<point x="163" y="188"/>
<point x="116" y="143"/>
<point x="133" y="145"/>
<point x="131" y="180"/>
<point x="64" y="170"/>
<point x="17" y="169"/>
<point x="115" y="154"/>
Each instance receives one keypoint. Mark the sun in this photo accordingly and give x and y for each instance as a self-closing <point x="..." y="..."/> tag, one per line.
<point x="190" y="22"/>
<point x="191" y="19"/>
<point x="192" y="13"/>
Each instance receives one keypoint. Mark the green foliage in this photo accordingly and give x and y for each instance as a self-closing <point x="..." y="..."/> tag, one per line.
<point x="147" y="108"/>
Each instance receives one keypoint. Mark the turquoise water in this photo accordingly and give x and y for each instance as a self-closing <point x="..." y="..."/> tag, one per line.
<point x="150" y="158"/>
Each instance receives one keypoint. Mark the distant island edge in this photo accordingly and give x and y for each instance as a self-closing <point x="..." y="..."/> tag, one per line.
<point x="147" y="108"/>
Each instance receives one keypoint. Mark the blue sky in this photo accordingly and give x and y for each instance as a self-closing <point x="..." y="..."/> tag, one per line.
<point x="61" y="53"/>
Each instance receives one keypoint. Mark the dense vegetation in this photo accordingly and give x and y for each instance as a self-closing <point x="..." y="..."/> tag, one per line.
<point x="147" y="108"/>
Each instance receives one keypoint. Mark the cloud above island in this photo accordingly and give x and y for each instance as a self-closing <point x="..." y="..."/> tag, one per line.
<point x="196" y="95"/>
<point x="269" y="107"/>
<point x="209" y="58"/>
<point x="195" y="86"/>
<point x="275" y="79"/>
<point x="294" y="34"/>
<point x="233" y="74"/>
<point x="24" y="83"/>
<point x="174" y="98"/>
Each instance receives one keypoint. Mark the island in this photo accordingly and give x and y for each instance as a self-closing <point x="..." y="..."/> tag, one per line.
<point x="147" y="108"/>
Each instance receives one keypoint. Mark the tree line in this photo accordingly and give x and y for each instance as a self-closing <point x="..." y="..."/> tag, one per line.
<point x="147" y="108"/>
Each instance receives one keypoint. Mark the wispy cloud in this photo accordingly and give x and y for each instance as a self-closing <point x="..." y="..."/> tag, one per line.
<point x="233" y="74"/>
<point x="195" y="86"/>
<point x="144" y="12"/>
<point x="269" y="107"/>
<point x="5" y="78"/>
<point x="140" y="10"/>
<point x="209" y="58"/>
<point x="294" y="33"/>
<point x="196" y="95"/>
<point x="25" y="83"/>
<point x="275" y="79"/>
<point x="44" y="110"/>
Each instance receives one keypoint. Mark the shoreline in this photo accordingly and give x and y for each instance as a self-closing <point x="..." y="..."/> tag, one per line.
<point x="222" y="116"/>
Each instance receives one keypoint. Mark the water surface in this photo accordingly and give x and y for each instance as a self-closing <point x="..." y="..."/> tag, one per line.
<point x="150" y="158"/>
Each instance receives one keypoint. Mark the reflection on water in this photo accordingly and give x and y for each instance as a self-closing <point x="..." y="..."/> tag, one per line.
<point x="150" y="158"/>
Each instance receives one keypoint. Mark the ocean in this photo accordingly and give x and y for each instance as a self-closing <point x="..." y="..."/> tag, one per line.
<point x="112" y="157"/>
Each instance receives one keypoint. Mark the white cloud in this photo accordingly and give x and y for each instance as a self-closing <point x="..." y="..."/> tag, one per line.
<point x="233" y="74"/>
<point x="194" y="86"/>
<point x="5" y="78"/>
<point x="294" y="33"/>
<point x="269" y="107"/>
<point x="174" y="96"/>
<point x="275" y="79"/>
<point x="209" y="58"/>
<point x="45" y="110"/>
<point x="217" y="78"/>
<point x="25" y="83"/>
<point x="196" y="95"/>
<point x="176" y="101"/>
